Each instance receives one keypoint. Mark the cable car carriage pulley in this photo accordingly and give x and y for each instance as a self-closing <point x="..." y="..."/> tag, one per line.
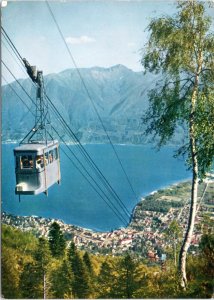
<point x="37" y="161"/>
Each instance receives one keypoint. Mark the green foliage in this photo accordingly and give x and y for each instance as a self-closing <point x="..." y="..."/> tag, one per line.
<point x="173" y="234"/>
<point x="56" y="240"/>
<point x="207" y="253"/>
<point x="129" y="280"/>
<point x="17" y="248"/>
<point x="173" y="231"/>
<point x="42" y="254"/>
<point x="61" y="281"/>
<point x="181" y="48"/>
<point x="159" y="205"/>
<point x="115" y="277"/>
<point x="81" y="284"/>
<point x="201" y="270"/>
<point x="90" y="273"/>
<point x="72" y="250"/>
<point x="206" y="224"/>
<point x="9" y="272"/>
<point x="106" y="281"/>
<point x="31" y="281"/>
<point x="88" y="264"/>
<point x="16" y="239"/>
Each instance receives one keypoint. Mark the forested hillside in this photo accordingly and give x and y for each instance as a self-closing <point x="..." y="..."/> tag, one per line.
<point x="53" y="268"/>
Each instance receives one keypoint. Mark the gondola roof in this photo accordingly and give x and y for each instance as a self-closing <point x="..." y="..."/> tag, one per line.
<point x="35" y="146"/>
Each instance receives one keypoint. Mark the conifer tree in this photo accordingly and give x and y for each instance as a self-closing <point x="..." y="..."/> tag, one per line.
<point x="57" y="241"/>
<point x="81" y="283"/>
<point x="91" y="274"/>
<point x="42" y="254"/>
<point x="88" y="264"/>
<point x="129" y="280"/>
<point x="31" y="281"/>
<point x="106" y="281"/>
<point x="72" y="250"/>
<point x="61" y="281"/>
<point x="33" y="278"/>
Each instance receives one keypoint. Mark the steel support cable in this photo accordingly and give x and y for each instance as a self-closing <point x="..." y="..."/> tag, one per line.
<point x="18" y="64"/>
<point x="90" y="160"/>
<point x="35" y="105"/>
<point x="112" y="206"/>
<point x="12" y="45"/>
<point x="23" y="90"/>
<point x="20" y="86"/>
<point x="15" y="51"/>
<point x="115" y="211"/>
<point x="107" y="185"/>
<point x="81" y="164"/>
<point x="97" y="171"/>
<point x="90" y="98"/>
<point x="11" y="87"/>
<point x="86" y="155"/>
<point x="17" y="81"/>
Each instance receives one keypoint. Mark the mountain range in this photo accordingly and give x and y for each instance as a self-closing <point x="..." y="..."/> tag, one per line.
<point x="118" y="94"/>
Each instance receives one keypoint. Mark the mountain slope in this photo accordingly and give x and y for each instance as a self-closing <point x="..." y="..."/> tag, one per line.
<point x="118" y="93"/>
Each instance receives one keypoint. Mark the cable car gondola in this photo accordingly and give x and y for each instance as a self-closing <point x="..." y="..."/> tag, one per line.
<point x="37" y="161"/>
<point x="37" y="167"/>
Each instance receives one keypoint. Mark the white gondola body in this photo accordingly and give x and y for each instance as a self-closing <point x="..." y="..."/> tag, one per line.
<point x="37" y="167"/>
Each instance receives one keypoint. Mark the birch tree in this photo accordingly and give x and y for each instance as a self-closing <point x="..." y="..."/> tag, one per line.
<point x="180" y="49"/>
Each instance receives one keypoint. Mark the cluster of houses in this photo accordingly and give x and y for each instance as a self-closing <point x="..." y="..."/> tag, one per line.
<point x="145" y="235"/>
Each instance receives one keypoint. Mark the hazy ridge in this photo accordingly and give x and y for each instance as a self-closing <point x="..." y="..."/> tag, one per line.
<point x="119" y="94"/>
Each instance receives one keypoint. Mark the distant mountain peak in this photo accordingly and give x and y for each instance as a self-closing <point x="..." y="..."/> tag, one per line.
<point x="116" y="92"/>
<point x="120" y="66"/>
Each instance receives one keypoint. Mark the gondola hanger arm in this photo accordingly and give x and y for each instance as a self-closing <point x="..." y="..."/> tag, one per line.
<point x="31" y="70"/>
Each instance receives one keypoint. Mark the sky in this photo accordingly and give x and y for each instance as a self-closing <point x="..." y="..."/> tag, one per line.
<point x="98" y="33"/>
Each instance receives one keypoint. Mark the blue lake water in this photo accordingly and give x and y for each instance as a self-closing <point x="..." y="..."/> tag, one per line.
<point x="75" y="202"/>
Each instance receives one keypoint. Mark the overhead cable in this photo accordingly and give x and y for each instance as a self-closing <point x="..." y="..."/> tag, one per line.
<point x="111" y="205"/>
<point x="13" y="46"/>
<point x="88" y="158"/>
<point x="82" y="149"/>
<point x="90" y="98"/>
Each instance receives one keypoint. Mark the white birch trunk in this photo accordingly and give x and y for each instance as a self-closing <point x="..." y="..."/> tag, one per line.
<point x="190" y="227"/>
<point x="194" y="192"/>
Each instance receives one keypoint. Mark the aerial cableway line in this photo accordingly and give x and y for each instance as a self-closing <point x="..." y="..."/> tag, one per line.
<point x="37" y="163"/>
<point x="92" y="182"/>
<point x="92" y="102"/>
<point x="107" y="185"/>
<point x="96" y="187"/>
<point x="83" y="150"/>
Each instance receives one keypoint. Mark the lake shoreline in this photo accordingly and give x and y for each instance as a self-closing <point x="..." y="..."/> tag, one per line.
<point x="97" y="230"/>
<point x="144" y="232"/>
<point x="75" y="202"/>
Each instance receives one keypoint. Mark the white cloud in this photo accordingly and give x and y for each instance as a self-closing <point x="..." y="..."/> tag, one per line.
<point x="84" y="39"/>
<point x="3" y="3"/>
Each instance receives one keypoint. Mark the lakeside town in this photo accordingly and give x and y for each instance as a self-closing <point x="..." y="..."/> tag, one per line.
<point x="146" y="235"/>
